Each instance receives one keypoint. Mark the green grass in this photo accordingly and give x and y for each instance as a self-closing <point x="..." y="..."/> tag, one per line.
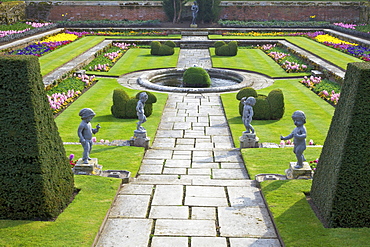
<point x="296" y="97"/>
<point x="76" y="226"/>
<point x="252" y="60"/>
<point x="112" y="157"/>
<point x="297" y="223"/>
<point x="57" y="58"/>
<point x="330" y="54"/>
<point x="99" y="98"/>
<point x="140" y="59"/>
<point x="138" y="37"/>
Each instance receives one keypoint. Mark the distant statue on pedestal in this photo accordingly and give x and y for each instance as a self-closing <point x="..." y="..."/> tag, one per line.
<point x="195" y="10"/>
<point x="299" y="137"/>
<point x="248" y="113"/>
<point x="140" y="111"/>
<point x="85" y="132"/>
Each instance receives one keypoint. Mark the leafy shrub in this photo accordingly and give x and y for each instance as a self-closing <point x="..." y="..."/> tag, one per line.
<point x="170" y="43"/>
<point x="36" y="181"/>
<point x="154" y="47"/>
<point x="230" y="49"/>
<point x="276" y="101"/>
<point x="246" y="92"/>
<point x="120" y="98"/>
<point x="131" y="108"/>
<point x="219" y="44"/>
<point x="262" y="108"/>
<point x="159" y="49"/>
<point x="196" y="77"/>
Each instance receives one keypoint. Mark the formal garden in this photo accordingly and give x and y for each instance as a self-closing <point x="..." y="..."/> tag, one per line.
<point x="295" y="220"/>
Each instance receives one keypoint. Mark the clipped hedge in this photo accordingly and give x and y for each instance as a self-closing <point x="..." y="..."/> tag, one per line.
<point x="269" y="107"/>
<point x="196" y="77"/>
<point x="36" y="181"/>
<point x="125" y="107"/>
<point x="223" y="49"/>
<point x="159" y="49"/>
<point x="340" y="186"/>
<point x="120" y="98"/>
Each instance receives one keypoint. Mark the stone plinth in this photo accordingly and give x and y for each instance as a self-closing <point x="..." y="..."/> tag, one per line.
<point x="294" y="173"/>
<point x="87" y="169"/>
<point x="248" y="140"/>
<point x="140" y="139"/>
<point x="193" y="25"/>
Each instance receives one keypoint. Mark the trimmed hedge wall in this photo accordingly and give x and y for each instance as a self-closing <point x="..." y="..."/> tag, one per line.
<point x="341" y="187"/>
<point x="125" y="107"/>
<point x="269" y="107"/>
<point x="36" y="180"/>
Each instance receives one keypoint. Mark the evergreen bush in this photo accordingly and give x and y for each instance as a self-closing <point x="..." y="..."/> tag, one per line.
<point x="196" y="77"/>
<point x="230" y="49"/>
<point x="276" y="102"/>
<point x="36" y="181"/>
<point x="170" y="43"/>
<point x="158" y="49"/>
<point x="340" y="187"/>
<point x="151" y="97"/>
<point x="261" y="109"/>
<point x="246" y="92"/>
<point x="131" y="108"/>
<point x="120" y="98"/>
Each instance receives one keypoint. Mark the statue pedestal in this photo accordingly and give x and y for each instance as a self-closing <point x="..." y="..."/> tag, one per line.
<point x="248" y="140"/>
<point x="140" y="139"/>
<point x="294" y="173"/>
<point x="87" y="169"/>
<point x="193" y="25"/>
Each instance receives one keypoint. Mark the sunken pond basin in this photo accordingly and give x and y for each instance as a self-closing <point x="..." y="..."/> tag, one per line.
<point x="171" y="80"/>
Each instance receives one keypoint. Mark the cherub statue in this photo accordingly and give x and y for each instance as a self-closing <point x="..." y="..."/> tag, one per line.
<point x="143" y="97"/>
<point x="299" y="137"/>
<point x="85" y="133"/>
<point x="194" y="9"/>
<point x="248" y="113"/>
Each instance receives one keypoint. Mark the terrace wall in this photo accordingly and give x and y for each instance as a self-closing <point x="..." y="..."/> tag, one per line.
<point x="231" y="10"/>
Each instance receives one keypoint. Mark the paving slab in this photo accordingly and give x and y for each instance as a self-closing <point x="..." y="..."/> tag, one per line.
<point x="205" y="191"/>
<point x="206" y="201"/>
<point x="136" y="189"/>
<point x="245" y="222"/>
<point x="225" y="182"/>
<point x="218" y="131"/>
<point x="168" y="195"/>
<point x="169" y="212"/>
<point x="245" y="197"/>
<point x="185" y="228"/>
<point x="177" y="163"/>
<point x="151" y="169"/>
<point x="158" y="154"/>
<point x="200" y="164"/>
<point x="189" y="141"/>
<point x="170" y="242"/>
<point x="232" y="165"/>
<point x="175" y="170"/>
<point x="203" y="213"/>
<point x="227" y="156"/>
<point x="171" y="134"/>
<point x="253" y="242"/>
<point x="126" y="232"/>
<point x="229" y="174"/>
<point x="199" y="171"/>
<point x="130" y="206"/>
<point x="208" y="242"/>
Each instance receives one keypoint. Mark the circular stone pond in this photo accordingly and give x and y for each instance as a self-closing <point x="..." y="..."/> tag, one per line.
<point x="171" y="80"/>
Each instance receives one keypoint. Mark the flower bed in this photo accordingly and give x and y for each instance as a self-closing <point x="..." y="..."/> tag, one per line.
<point x="326" y="89"/>
<point x="289" y="62"/>
<point x="46" y="45"/>
<point x="107" y="58"/>
<point x="67" y="91"/>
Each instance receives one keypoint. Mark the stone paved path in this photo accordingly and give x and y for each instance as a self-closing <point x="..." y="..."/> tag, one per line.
<point x="192" y="188"/>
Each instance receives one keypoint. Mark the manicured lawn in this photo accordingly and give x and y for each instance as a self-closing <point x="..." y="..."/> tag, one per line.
<point x="99" y="98"/>
<point x="76" y="226"/>
<point x="129" y="37"/>
<point x="140" y="59"/>
<point x="336" y="57"/>
<point x="57" y="58"/>
<point x="252" y="60"/>
<point x="297" y="223"/>
<point x="296" y="97"/>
